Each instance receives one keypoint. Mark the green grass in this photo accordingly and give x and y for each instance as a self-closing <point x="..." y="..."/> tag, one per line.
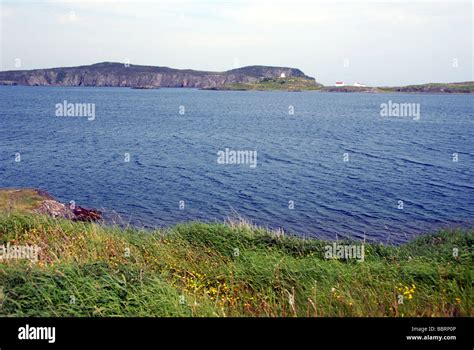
<point x="299" y="84"/>
<point x="461" y="87"/>
<point x="20" y="200"/>
<point x="232" y="269"/>
<point x="270" y="84"/>
<point x="224" y="270"/>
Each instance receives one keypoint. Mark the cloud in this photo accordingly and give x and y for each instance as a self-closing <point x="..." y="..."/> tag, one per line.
<point x="68" y="18"/>
<point x="207" y="34"/>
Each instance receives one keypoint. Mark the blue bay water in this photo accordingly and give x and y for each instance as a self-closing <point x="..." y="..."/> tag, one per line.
<point x="173" y="158"/>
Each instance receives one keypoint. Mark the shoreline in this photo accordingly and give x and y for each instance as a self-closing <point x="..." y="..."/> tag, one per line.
<point x="326" y="89"/>
<point x="37" y="202"/>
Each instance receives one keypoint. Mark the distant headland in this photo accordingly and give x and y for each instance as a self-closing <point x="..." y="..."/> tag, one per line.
<point x="149" y="77"/>
<point x="265" y="78"/>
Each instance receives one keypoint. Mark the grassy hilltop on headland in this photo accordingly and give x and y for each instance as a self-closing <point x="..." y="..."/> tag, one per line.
<point x="232" y="269"/>
<point x="275" y="84"/>
<point x="300" y="84"/>
<point x="462" y="87"/>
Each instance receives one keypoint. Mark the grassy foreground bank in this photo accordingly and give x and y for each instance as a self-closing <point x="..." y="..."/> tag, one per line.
<point x="197" y="269"/>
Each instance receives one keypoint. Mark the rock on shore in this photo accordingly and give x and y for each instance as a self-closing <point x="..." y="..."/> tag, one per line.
<point x="40" y="202"/>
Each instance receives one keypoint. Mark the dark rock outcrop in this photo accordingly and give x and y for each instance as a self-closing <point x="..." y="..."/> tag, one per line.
<point x="120" y="75"/>
<point x="56" y="209"/>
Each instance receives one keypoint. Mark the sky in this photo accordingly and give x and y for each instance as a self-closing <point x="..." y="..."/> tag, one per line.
<point x="379" y="43"/>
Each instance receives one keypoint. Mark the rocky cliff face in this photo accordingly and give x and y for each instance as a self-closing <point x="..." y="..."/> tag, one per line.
<point x="119" y="75"/>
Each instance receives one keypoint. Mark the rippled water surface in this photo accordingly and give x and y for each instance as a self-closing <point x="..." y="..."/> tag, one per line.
<point x="173" y="157"/>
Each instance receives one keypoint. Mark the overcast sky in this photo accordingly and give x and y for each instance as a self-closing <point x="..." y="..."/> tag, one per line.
<point x="372" y="42"/>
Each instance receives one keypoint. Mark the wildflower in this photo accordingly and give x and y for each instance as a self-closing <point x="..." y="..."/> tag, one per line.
<point x="406" y="291"/>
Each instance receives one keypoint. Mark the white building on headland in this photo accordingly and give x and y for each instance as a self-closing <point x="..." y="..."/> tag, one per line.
<point x="282" y="75"/>
<point x="340" y="83"/>
<point x="359" y="85"/>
